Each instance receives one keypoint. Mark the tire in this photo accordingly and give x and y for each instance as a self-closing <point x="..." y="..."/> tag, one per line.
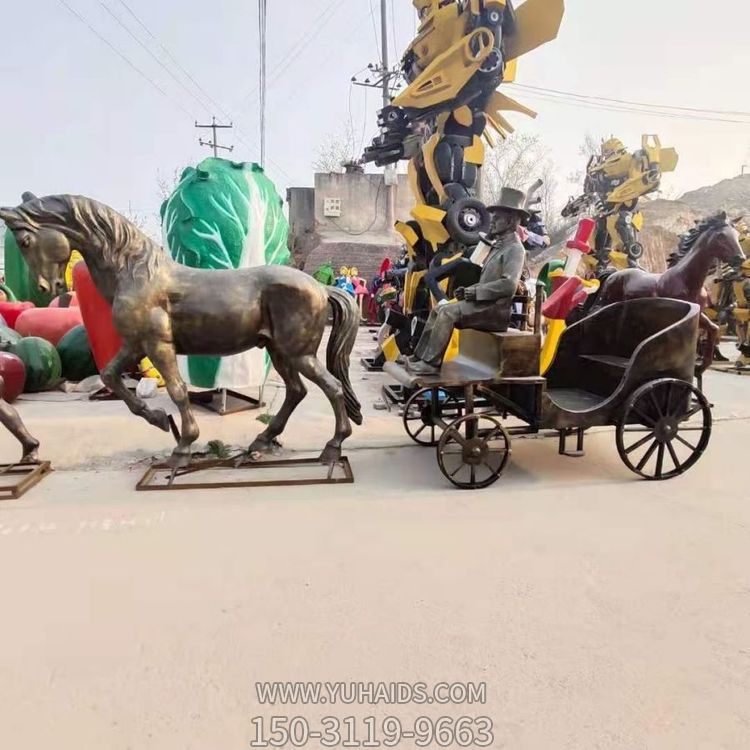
<point x="466" y="219"/>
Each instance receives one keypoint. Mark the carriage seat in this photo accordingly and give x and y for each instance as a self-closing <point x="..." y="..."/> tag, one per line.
<point x="512" y="354"/>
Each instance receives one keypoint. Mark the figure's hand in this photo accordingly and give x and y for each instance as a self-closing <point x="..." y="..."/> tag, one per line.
<point x="470" y="294"/>
<point x="460" y="294"/>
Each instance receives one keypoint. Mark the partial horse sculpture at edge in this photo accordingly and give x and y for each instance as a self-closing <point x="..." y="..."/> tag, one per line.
<point x="162" y="309"/>
<point x="711" y="240"/>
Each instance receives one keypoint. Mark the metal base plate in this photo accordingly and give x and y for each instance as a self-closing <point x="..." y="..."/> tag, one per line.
<point x="224" y="401"/>
<point x="372" y="364"/>
<point x="25" y="476"/>
<point x="159" y="477"/>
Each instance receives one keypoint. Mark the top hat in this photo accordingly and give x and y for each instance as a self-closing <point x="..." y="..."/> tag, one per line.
<point x="511" y="200"/>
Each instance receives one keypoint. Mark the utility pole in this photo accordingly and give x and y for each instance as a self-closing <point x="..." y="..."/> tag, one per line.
<point x="262" y="38"/>
<point x="215" y="145"/>
<point x="385" y="79"/>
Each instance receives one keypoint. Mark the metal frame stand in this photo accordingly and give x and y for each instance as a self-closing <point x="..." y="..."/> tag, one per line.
<point x="30" y="475"/>
<point x="160" y="477"/>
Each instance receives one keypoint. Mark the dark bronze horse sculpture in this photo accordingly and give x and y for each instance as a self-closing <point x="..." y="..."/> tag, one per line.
<point x="685" y="279"/>
<point x="162" y="309"/>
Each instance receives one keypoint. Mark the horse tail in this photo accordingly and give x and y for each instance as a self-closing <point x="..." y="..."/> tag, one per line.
<point x="340" y="345"/>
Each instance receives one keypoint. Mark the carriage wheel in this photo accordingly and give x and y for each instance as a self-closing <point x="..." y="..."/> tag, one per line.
<point x="423" y="409"/>
<point x="665" y="428"/>
<point x="474" y="451"/>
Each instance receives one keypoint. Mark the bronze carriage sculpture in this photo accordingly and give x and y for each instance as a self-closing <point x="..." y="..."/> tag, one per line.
<point x="631" y="365"/>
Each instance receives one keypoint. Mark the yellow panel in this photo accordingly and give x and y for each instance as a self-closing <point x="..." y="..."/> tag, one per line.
<point x="448" y="73"/>
<point x="475" y="153"/>
<point x="453" y="348"/>
<point x="537" y="22"/>
<point x="502" y="103"/>
<point x="428" y="151"/>
<point x="464" y="116"/>
<point x="411" y="285"/>
<point x="555" y="330"/>
<point x="511" y="71"/>
<point x="390" y="349"/>
<point x="638" y="221"/>
<point x="431" y="221"/>
<point x="669" y="159"/>
<point x="409" y="235"/>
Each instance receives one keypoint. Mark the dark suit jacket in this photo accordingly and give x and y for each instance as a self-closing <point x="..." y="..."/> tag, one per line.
<point x="496" y="288"/>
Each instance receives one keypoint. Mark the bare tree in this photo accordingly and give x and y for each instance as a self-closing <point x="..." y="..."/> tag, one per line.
<point x="165" y="184"/>
<point x="591" y="146"/>
<point x="336" y="150"/>
<point x="518" y="162"/>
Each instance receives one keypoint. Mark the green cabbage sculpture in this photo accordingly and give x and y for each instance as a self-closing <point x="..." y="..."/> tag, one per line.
<point x="225" y="215"/>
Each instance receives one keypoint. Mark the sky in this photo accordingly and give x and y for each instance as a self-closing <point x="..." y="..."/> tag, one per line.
<point x="77" y="117"/>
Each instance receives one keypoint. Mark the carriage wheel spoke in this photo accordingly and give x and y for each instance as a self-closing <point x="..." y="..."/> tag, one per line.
<point x="685" y="442"/>
<point x="456" y="436"/>
<point x="420" y="430"/>
<point x="673" y="453"/>
<point x="647" y="457"/>
<point x="693" y="412"/>
<point x="640" y="443"/>
<point x="473" y="474"/>
<point x="670" y="389"/>
<point x="655" y="401"/>
<point x="660" y="461"/>
<point x="644" y="419"/>
<point x="460" y="466"/>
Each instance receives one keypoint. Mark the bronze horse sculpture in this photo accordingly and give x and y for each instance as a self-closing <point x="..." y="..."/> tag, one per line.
<point x="161" y="309"/>
<point x="685" y="279"/>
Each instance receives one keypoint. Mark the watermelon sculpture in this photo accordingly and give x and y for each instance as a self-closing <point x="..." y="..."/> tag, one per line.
<point x="43" y="366"/>
<point x="76" y="356"/>
<point x="8" y="337"/>
<point x="13" y="374"/>
<point x="225" y="215"/>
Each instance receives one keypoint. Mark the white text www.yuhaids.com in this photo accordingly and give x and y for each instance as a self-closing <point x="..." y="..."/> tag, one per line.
<point x="370" y="693"/>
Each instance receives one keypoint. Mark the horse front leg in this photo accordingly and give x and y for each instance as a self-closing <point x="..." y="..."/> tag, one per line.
<point x="112" y="377"/>
<point x="162" y="355"/>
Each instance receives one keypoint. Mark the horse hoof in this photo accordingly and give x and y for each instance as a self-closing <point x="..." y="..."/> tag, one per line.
<point x="264" y="448"/>
<point x="330" y="455"/>
<point x="179" y="460"/>
<point x="159" y="418"/>
<point x="31" y="456"/>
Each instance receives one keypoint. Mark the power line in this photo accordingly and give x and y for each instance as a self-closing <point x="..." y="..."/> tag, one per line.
<point x="612" y="106"/>
<point x="299" y="46"/>
<point x="634" y="104"/>
<point x="122" y="25"/>
<point x="169" y="54"/>
<point x="375" y="30"/>
<point x="570" y="101"/>
<point x="262" y="30"/>
<point x="124" y="57"/>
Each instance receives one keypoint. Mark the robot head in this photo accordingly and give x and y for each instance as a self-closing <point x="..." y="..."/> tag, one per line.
<point x="612" y="146"/>
<point x="426" y="8"/>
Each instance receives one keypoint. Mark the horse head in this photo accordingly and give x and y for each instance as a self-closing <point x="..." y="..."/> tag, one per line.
<point x="44" y="246"/>
<point x="725" y="240"/>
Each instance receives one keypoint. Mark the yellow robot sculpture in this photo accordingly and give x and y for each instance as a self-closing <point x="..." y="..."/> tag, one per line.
<point x="615" y="182"/>
<point x="449" y="110"/>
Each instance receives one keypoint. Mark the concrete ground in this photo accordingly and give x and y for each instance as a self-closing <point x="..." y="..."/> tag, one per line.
<point x="601" y="611"/>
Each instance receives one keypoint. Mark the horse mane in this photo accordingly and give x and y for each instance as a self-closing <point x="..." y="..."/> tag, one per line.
<point x="689" y="239"/>
<point x="83" y="220"/>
